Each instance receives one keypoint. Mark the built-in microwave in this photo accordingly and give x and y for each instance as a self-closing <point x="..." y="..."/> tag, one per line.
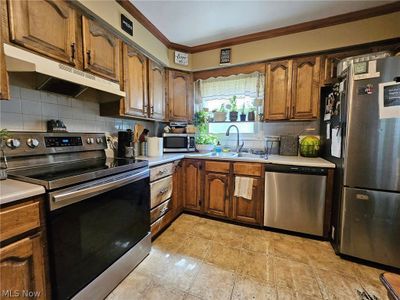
<point x="179" y="142"/>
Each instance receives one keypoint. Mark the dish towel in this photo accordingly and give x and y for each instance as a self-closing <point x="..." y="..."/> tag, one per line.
<point x="243" y="187"/>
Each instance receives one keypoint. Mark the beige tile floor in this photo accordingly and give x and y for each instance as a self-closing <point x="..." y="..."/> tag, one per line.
<point x="198" y="258"/>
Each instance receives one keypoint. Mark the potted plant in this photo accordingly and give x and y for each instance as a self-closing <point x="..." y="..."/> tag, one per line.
<point x="233" y="114"/>
<point x="4" y="135"/>
<point x="251" y="114"/>
<point x="243" y="114"/>
<point x="205" y="142"/>
<point x="220" y="115"/>
<point x="201" y="121"/>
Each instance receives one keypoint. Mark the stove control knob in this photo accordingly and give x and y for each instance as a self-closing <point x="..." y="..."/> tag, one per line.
<point x="99" y="140"/>
<point x="33" y="143"/>
<point x="90" y="141"/>
<point x="13" y="143"/>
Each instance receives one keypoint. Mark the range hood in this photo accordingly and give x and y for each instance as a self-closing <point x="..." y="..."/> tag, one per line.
<point x="56" y="77"/>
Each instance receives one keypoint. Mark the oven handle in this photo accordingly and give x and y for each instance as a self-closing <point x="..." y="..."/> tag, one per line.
<point x="77" y="194"/>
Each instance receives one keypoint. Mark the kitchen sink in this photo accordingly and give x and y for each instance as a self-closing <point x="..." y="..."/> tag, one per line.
<point x="213" y="154"/>
<point x="250" y="155"/>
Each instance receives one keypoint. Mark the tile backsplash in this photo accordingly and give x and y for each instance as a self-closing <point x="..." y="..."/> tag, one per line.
<point x="263" y="130"/>
<point x="30" y="109"/>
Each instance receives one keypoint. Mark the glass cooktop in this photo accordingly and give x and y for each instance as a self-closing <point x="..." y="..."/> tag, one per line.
<point x="68" y="173"/>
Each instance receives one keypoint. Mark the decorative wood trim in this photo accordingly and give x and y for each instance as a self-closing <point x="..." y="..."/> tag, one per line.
<point x="243" y="69"/>
<point x="296" y="28"/>
<point x="143" y="20"/>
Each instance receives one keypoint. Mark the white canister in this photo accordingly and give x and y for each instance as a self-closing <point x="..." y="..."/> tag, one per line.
<point x="155" y="146"/>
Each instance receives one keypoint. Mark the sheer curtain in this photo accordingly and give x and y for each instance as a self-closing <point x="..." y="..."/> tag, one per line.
<point x="214" y="92"/>
<point x="250" y="85"/>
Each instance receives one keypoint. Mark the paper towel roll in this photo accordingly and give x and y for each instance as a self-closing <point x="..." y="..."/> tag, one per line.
<point x="155" y="146"/>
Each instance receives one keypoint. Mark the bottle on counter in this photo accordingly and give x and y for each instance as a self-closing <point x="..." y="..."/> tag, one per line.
<point x="218" y="148"/>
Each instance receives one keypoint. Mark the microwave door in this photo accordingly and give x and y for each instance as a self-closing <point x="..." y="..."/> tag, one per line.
<point x="176" y="143"/>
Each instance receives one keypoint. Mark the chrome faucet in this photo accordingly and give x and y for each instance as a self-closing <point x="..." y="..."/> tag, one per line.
<point x="238" y="147"/>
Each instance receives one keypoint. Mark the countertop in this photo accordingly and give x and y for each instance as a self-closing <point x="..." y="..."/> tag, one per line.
<point x="272" y="159"/>
<point x="13" y="190"/>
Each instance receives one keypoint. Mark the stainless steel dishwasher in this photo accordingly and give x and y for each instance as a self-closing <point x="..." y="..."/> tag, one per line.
<point x="295" y="198"/>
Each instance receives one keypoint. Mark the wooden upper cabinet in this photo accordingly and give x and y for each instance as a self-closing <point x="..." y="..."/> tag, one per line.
<point x="180" y="95"/>
<point x="101" y="50"/>
<point x="193" y="184"/>
<point x="249" y="210"/>
<point x="4" y="88"/>
<point x="217" y="194"/>
<point x="156" y="91"/>
<point x="305" y="88"/>
<point x="135" y="82"/>
<point x="278" y="83"/>
<point x="21" y="267"/>
<point x="44" y="26"/>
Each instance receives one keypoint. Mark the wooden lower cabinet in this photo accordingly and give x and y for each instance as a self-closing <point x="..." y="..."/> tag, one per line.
<point x="22" y="272"/>
<point x="216" y="194"/>
<point x="22" y="261"/>
<point x="177" y="189"/>
<point x="167" y="191"/>
<point x="249" y="210"/>
<point x="193" y="184"/>
<point x="217" y="184"/>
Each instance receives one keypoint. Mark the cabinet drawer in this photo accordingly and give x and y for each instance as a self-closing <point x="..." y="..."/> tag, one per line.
<point x="161" y="171"/>
<point x="217" y="166"/>
<point x="160" y="210"/>
<point x="15" y="220"/>
<point x="160" y="191"/>
<point x="161" y="223"/>
<point x="250" y="169"/>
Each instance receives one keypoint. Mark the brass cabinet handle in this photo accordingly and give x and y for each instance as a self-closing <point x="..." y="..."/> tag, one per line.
<point x="73" y="51"/>
<point x="161" y="172"/>
<point x="152" y="110"/>
<point x="162" y="192"/>
<point x="89" y="56"/>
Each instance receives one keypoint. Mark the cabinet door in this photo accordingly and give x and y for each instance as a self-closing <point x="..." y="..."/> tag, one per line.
<point x="177" y="190"/>
<point x="101" y="50"/>
<point x="156" y="91"/>
<point x="44" y="26"/>
<point x="217" y="194"/>
<point x="135" y="77"/>
<point x="4" y="89"/>
<point x="180" y="95"/>
<point x="249" y="210"/>
<point x="193" y="183"/>
<point x="21" y="265"/>
<point x="278" y="82"/>
<point x="305" y="88"/>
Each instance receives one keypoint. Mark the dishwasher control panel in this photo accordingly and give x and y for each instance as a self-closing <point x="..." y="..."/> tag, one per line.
<point x="295" y="169"/>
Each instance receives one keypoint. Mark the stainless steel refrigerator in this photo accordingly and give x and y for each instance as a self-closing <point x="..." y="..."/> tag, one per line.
<point x="365" y="118"/>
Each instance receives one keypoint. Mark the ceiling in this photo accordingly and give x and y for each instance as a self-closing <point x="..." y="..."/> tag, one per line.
<point x="193" y="23"/>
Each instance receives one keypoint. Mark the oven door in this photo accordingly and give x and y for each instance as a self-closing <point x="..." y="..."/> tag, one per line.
<point x="92" y="225"/>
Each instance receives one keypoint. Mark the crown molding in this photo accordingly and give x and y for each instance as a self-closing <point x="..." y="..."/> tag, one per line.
<point x="310" y="25"/>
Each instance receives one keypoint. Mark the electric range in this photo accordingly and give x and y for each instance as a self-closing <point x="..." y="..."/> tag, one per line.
<point x="97" y="209"/>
